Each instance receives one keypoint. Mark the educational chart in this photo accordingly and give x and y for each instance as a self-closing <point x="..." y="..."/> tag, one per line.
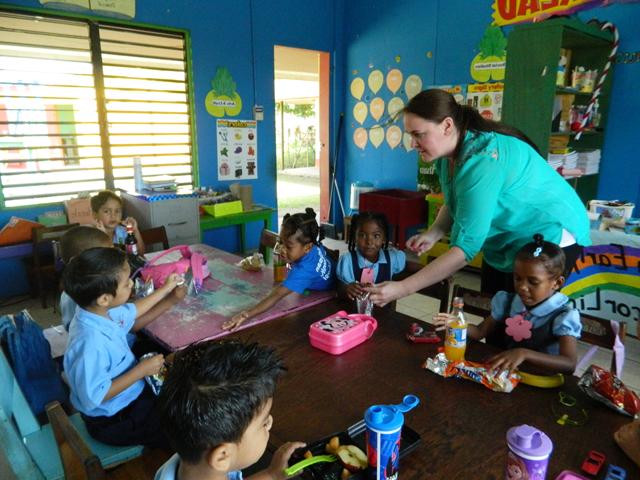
<point x="486" y="98"/>
<point x="237" y="149"/>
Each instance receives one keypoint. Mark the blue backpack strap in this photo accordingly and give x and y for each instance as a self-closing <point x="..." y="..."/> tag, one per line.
<point x="357" y="271"/>
<point x="384" y="269"/>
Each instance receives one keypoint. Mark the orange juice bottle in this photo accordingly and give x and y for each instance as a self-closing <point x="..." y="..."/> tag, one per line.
<point x="279" y="268"/>
<point x="455" y="339"/>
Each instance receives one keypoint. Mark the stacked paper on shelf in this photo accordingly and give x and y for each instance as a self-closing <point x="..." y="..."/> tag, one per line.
<point x="589" y="161"/>
<point x="567" y="160"/>
<point x="160" y="183"/>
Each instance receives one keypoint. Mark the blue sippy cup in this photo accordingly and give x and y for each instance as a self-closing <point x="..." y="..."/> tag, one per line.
<point x="384" y="425"/>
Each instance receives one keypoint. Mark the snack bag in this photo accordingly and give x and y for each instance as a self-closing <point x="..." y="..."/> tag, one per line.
<point x="476" y="372"/>
<point x="155" y="381"/>
<point x="604" y="386"/>
<point x="253" y="263"/>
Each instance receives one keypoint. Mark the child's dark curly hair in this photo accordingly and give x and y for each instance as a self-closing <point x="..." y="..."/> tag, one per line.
<point x="547" y="253"/>
<point x="358" y="220"/>
<point x="304" y="226"/>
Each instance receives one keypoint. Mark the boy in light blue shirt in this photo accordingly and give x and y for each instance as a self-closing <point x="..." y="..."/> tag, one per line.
<point x="107" y="382"/>
<point x="215" y="408"/>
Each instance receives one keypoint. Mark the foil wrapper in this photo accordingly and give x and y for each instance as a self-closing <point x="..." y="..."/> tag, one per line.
<point x="154" y="381"/>
<point x="604" y="386"/>
<point x="141" y="288"/>
<point x="501" y="381"/>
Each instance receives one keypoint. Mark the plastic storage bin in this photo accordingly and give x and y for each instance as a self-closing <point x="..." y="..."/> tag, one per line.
<point x="340" y="332"/>
<point x="222" y="209"/>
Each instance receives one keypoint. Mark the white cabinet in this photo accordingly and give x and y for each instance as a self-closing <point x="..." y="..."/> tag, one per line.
<point x="179" y="215"/>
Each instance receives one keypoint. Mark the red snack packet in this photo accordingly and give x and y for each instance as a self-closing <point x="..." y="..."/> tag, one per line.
<point x="604" y="386"/>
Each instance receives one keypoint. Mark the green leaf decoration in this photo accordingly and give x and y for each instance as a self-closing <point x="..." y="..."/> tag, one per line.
<point x="222" y="83"/>
<point x="493" y="42"/>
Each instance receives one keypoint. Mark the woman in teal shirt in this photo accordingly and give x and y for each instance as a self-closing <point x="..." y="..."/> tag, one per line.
<point x="498" y="192"/>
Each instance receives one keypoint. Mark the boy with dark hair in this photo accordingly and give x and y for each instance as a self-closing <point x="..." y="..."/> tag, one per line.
<point x="107" y="383"/>
<point x="215" y="408"/>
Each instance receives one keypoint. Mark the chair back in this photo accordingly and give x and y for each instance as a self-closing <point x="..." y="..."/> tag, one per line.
<point x="475" y="303"/>
<point x="268" y="241"/>
<point x="604" y="333"/>
<point x="154" y="236"/>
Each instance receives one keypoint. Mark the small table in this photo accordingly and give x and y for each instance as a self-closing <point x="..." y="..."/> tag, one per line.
<point x="259" y="212"/>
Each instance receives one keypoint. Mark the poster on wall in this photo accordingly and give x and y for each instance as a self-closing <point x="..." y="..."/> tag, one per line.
<point x="237" y="149"/>
<point x="486" y="98"/>
<point x="458" y="91"/>
<point x="605" y="283"/>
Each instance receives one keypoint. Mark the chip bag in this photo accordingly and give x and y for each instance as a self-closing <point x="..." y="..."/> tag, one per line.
<point x="503" y="381"/>
<point x="604" y="386"/>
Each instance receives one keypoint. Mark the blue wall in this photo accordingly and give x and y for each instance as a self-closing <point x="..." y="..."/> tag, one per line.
<point x="376" y="31"/>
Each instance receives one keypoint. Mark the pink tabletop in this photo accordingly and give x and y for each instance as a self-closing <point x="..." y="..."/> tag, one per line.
<point x="229" y="290"/>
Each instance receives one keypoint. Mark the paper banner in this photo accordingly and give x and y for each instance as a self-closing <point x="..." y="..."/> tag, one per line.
<point x="357" y="87"/>
<point x="412" y="86"/>
<point x="394" y="106"/>
<point x="394" y="136"/>
<point x="360" y="137"/>
<point x="377" y="108"/>
<point x="360" y="112"/>
<point x="375" y="81"/>
<point x="394" y="80"/>
<point x="406" y="141"/>
<point x="376" y="135"/>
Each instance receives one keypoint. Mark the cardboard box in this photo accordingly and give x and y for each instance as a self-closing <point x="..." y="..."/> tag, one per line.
<point x="612" y="210"/>
<point x="79" y="210"/>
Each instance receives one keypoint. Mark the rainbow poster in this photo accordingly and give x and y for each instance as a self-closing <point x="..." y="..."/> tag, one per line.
<point x="605" y="283"/>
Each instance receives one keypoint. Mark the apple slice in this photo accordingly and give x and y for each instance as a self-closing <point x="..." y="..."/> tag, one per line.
<point x="349" y="459"/>
<point x="360" y="455"/>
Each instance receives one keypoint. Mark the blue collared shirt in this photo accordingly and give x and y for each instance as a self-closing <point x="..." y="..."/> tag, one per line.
<point x="314" y="271"/>
<point x="344" y="272"/>
<point x="169" y="470"/>
<point x="97" y="353"/>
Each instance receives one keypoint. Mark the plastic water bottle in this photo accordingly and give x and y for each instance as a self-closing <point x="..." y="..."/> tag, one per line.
<point x="455" y="339"/>
<point x="130" y="242"/>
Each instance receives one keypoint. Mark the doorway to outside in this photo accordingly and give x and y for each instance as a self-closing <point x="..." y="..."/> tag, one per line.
<point x="301" y="82"/>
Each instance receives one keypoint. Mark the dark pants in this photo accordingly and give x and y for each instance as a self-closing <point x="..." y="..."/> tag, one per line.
<point x="492" y="280"/>
<point x="136" y="424"/>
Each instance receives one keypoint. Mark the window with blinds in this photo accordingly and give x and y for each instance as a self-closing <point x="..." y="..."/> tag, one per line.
<point x="80" y="100"/>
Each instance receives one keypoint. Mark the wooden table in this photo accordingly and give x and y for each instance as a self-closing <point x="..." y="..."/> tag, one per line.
<point x="228" y="290"/>
<point x="258" y="213"/>
<point x="463" y="425"/>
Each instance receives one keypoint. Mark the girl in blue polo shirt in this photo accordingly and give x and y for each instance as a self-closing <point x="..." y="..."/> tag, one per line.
<point x="536" y="324"/>
<point x="369" y="260"/>
<point x="311" y="268"/>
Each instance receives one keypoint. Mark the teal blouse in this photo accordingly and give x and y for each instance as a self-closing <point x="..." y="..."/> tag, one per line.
<point x="502" y="193"/>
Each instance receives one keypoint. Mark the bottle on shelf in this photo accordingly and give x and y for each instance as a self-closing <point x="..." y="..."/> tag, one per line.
<point x="130" y="242"/>
<point x="455" y="339"/>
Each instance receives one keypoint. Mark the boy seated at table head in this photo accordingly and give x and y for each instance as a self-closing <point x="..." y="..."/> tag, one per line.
<point x="107" y="382"/>
<point x="369" y="259"/>
<point x="215" y="406"/>
<point x="311" y="268"/>
<point x="107" y="212"/>
<point x="75" y="241"/>
<point x="536" y="324"/>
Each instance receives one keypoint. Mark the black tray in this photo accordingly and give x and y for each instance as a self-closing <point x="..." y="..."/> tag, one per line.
<point x="354" y="435"/>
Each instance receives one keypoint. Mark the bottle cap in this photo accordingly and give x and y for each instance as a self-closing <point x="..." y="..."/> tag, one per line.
<point x="527" y="441"/>
<point x="388" y="418"/>
<point x="458" y="302"/>
<point x="129" y="228"/>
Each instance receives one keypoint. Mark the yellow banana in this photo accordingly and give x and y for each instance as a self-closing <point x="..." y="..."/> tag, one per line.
<point x="541" y="381"/>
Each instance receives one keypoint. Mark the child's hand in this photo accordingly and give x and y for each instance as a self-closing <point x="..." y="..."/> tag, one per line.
<point x="172" y="280"/>
<point x="355" y="290"/>
<point x="508" y="360"/>
<point x="441" y="319"/>
<point x="131" y="221"/>
<point x="151" y="365"/>
<point x="100" y="226"/>
<point x="280" y="459"/>
<point x="236" y="321"/>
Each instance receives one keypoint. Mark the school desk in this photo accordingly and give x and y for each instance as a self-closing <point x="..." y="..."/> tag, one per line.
<point x="228" y="291"/>
<point x="463" y="425"/>
<point x="258" y="213"/>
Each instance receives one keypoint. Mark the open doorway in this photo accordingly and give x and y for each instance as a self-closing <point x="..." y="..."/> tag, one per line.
<point x="301" y="82"/>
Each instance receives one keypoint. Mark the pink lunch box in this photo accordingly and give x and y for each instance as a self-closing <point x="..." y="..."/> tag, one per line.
<point x="341" y="332"/>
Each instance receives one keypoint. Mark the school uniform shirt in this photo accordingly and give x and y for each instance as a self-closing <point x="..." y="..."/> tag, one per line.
<point x="68" y="311"/>
<point x="344" y="271"/>
<point x="501" y="194"/>
<point x="169" y="470"/>
<point x="98" y="352"/>
<point x="314" y="271"/>
<point x="119" y="235"/>
<point x="551" y="319"/>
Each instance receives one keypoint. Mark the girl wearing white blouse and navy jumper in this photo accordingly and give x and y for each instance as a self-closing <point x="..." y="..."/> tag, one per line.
<point x="536" y="324"/>
<point x="369" y="259"/>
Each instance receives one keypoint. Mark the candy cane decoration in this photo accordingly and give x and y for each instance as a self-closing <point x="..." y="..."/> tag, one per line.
<point x="603" y="76"/>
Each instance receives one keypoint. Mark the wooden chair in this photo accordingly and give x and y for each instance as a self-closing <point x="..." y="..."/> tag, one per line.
<point x="268" y="241"/>
<point x="154" y="236"/>
<point x="39" y="440"/>
<point x="602" y="333"/>
<point x="46" y="262"/>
